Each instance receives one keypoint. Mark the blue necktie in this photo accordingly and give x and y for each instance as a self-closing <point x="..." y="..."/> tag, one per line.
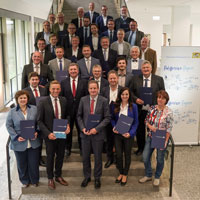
<point x="60" y="64"/>
<point x="111" y="37"/>
<point x="145" y="82"/>
<point x="86" y="33"/>
<point x="130" y="38"/>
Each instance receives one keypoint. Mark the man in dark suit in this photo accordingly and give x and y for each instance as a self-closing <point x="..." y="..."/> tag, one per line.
<point x="42" y="69"/>
<point x="60" y="25"/>
<point x="74" y="53"/>
<point x="51" y="19"/>
<point x="102" y="19"/>
<point x="110" y="93"/>
<point x="93" y="139"/>
<point x="106" y="56"/>
<point x="125" y="78"/>
<point x="79" y="20"/>
<point x="123" y="21"/>
<point x="73" y="88"/>
<point x="146" y="53"/>
<point x="84" y="32"/>
<point x="35" y="91"/>
<point x="91" y="13"/>
<point x="111" y="33"/>
<point x="134" y="36"/>
<point x="44" y="34"/>
<point x="97" y="76"/>
<point x="53" y="107"/>
<point x="87" y="62"/>
<point x="52" y="46"/>
<point x="46" y="55"/>
<point x="146" y="79"/>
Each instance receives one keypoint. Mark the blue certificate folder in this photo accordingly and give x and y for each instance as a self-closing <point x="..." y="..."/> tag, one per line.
<point x="59" y="127"/>
<point x="124" y="124"/>
<point x="136" y="71"/>
<point x="27" y="129"/>
<point x="61" y="75"/>
<point x="146" y="95"/>
<point x="158" y="139"/>
<point x="92" y="121"/>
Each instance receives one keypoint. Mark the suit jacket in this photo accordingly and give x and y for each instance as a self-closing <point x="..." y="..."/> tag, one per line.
<point x="150" y="55"/>
<point x="83" y="68"/>
<point x="106" y="92"/>
<point x="40" y="35"/>
<point x="56" y="28"/>
<point x="107" y="35"/>
<point x="46" y="75"/>
<point x="14" y="117"/>
<point x="128" y="67"/>
<point x="89" y="42"/>
<point x="133" y="113"/>
<point x="80" y="33"/>
<point x="65" y="42"/>
<point x="75" y="22"/>
<point x="53" y="54"/>
<point x="139" y="36"/>
<point x="128" y="79"/>
<point x="53" y="65"/>
<point x="94" y="17"/>
<point x="100" y="23"/>
<point x="66" y="91"/>
<point x="102" y="108"/>
<point x="45" y="115"/>
<point x="110" y="63"/>
<point x="157" y="83"/>
<point x="68" y="55"/>
<point x="47" y="57"/>
<point x="103" y="84"/>
<point x="126" y="50"/>
<point x="32" y="100"/>
<point x="124" y="24"/>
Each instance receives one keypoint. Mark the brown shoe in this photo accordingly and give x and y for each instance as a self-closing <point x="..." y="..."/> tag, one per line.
<point x="61" y="181"/>
<point x="51" y="184"/>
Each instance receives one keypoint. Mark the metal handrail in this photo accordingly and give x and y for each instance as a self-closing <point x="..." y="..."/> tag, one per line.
<point x="8" y="168"/>
<point x="171" y="165"/>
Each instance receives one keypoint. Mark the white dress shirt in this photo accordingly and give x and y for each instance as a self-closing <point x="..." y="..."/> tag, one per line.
<point x="95" y="41"/>
<point x="71" y="82"/>
<point x="124" y="110"/>
<point x="113" y="95"/>
<point x="75" y="53"/>
<point x="28" y="141"/>
<point x="107" y="51"/>
<point x="59" y="107"/>
<point x="134" y="65"/>
<point x="148" y="82"/>
<point x="104" y="20"/>
<point x="33" y="90"/>
<point x="61" y="27"/>
<point x="120" y="48"/>
<point x="58" y="62"/>
<point x="99" y="82"/>
<point x="35" y="70"/>
<point x="143" y="52"/>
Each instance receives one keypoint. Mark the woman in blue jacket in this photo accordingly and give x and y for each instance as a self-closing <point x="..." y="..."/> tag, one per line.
<point x="26" y="151"/>
<point x="123" y="142"/>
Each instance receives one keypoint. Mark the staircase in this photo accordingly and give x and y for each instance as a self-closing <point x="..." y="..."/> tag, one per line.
<point x="73" y="173"/>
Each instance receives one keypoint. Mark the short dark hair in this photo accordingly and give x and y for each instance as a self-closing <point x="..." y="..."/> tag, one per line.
<point x="112" y="72"/>
<point x="163" y="94"/>
<point x="73" y="64"/>
<point x="60" y="47"/>
<point x="86" y="45"/>
<point x="33" y="74"/>
<point x="20" y="93"/>
<point x="93" y="24"/>
<point x="41" y="39"/>
<point x="93" y="81"/>
<point x="52" y="35"/>
<point x="121" y="58"/>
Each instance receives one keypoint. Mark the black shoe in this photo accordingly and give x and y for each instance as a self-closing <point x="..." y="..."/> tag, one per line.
<point x="124" y="183"/>
<point x="108" y="163"/>
<point x="42" y="163"/>
<point x="85" y="182"/>
<point x="138" y="152"/>
<point x="68" y="153"/>
<point x="97" y="183"/>
<point x="118" y="180"/>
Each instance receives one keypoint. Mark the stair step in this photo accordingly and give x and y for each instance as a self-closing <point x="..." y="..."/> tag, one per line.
<point x="108" y="185"/>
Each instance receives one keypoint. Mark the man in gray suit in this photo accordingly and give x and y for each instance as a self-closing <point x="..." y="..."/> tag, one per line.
<point x="122" y="47"/>
<point x="86" y="64"/>
<point x="93" y="139"/>
<point x="59" y="63"/>
<point x="135" y="62"/>
<point x="125" y="77"/>
<point x="134" y="36"/>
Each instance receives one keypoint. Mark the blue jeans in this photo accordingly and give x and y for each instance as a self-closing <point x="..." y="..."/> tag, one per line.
<point x="147" y="153"/>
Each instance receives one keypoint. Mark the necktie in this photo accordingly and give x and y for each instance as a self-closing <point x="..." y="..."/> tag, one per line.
<point x="130" y="38"/>
<point x="42" y="52"/>
<point x="86" y="34"/>
<point x="145" y="82"/>
<point x="134" y="60"/>
<point x="36" y="93"/>
<point x="111" y="36"/>
<point x="73" y="88"/>
<point x="81" y="22"/>
<point x="91" y="16"/>
<point x="88" y="65"/>
<point x="104" y="55"/>
<point x="37" y="68"/>
<point x="53" y="50"/>
<point x="92" y="107"/>
<point x="60" y="64"/>
<point x="56" y="109"/>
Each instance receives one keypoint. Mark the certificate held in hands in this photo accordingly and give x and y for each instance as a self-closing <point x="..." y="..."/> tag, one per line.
<point x="158" y="139"/>
<point x="92" y="121"/>
<point x="27" y="129"/>
<point x="146" y="95"/>
<point x="59" y="128"/>
<point x="124" y="124"/>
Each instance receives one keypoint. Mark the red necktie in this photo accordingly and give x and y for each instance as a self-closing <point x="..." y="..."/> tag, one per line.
<point x="92" y="107"/>
<point x="36" y="93"/>
<point x="56" y="109"/>
<point x="73" y="88"/>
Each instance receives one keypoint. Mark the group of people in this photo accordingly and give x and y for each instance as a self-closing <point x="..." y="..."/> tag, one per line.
<point x="100" y="57"/>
